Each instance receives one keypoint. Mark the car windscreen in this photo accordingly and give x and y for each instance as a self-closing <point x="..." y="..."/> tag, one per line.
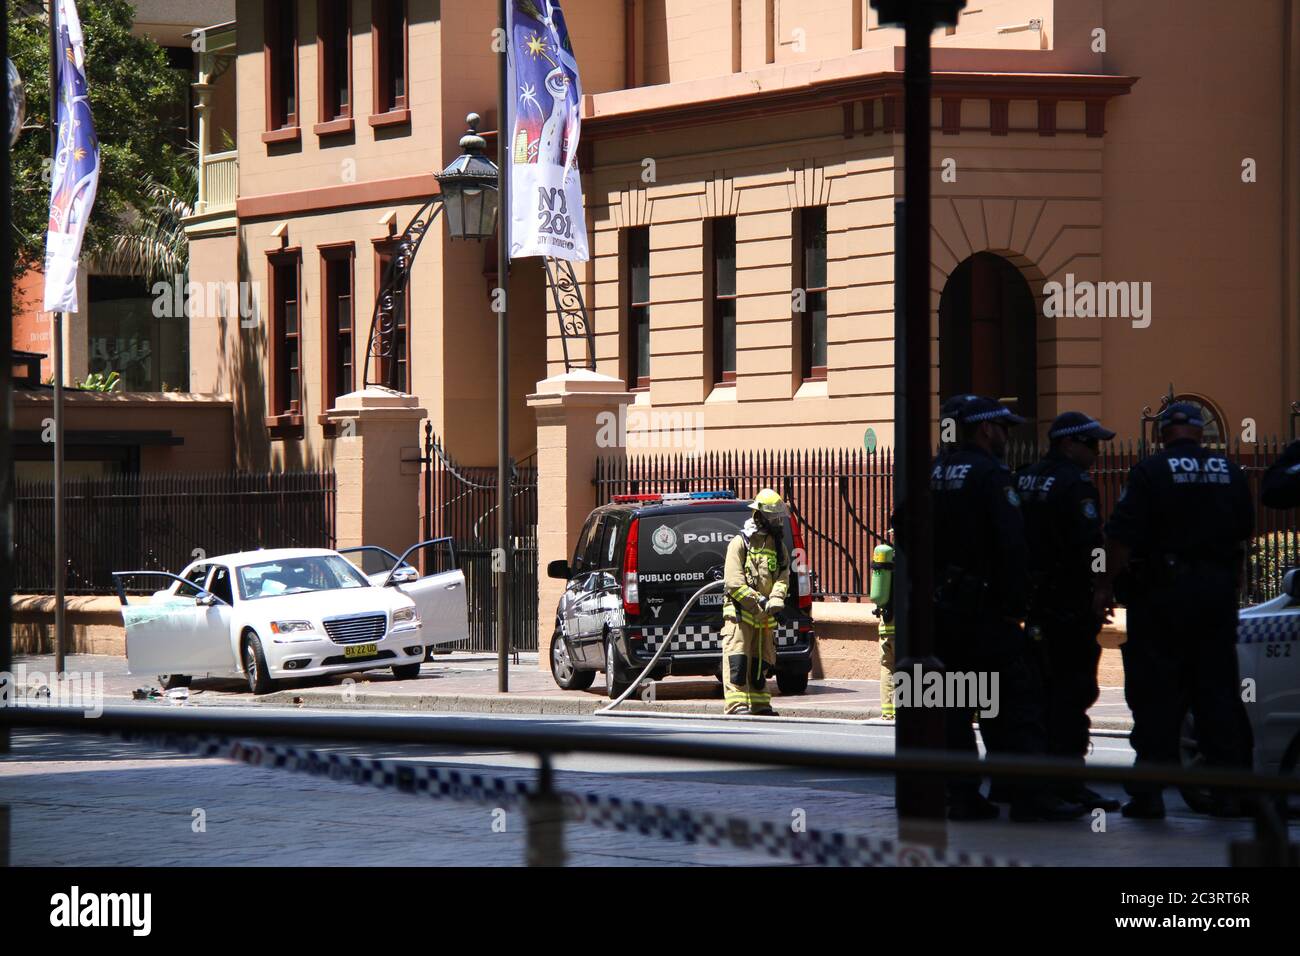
<point x="681" y="549"/>
<point x="317" y="572"/>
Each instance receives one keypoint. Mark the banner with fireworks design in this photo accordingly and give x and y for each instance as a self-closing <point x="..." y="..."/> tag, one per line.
<point x="75" y="174"/>
<point x="546" y="215"/>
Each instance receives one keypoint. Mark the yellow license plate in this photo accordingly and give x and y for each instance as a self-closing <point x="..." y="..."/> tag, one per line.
<point x="360" y="650"/>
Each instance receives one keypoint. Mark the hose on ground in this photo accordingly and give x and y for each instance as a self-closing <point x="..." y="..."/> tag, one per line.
<point x="672" y="632"/>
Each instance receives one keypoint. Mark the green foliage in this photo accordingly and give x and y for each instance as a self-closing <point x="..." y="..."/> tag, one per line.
<point x="1271" y="555"/>
<point x="99" y="382"/>
<point x="131" y="85"/>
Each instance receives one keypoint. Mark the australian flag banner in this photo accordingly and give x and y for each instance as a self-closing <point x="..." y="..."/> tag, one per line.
<point x="75" y="173"/>
<point x="546" y="215"/>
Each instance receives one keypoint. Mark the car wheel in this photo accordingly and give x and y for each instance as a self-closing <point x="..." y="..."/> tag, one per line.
<point x="565" y="672"/>
<point x="259" y="678"/>
<point x="1199" y="799"/>
<point x="791" y="684"/>
<point x="406" y="671"/>
<point x="169" y="681"/>
<point x="613" y="686"/>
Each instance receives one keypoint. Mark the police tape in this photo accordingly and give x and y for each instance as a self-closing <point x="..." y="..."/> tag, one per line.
<point x="817" y="847"/>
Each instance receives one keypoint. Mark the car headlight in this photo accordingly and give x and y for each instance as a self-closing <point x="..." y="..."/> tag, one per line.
<point x="290" y="627"/>
<point x="404" y="615"/>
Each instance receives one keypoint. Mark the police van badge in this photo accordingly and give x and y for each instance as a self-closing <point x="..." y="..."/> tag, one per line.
<point x="664" y="540"/>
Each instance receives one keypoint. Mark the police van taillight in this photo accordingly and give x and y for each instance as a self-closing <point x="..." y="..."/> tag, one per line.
<point x="803" y="579"/>
<point x="631" y="593"/>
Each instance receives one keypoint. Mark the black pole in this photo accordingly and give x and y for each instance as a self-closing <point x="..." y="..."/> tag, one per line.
<point x="6" y="430"/>
<point x="60" y="564"/>
<point x="919" y="800"/>
<point x="501" y="302"/>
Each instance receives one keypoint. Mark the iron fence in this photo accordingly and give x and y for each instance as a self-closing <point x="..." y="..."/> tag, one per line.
<point x="843" y="500"/>
<point x="163" y="522"/>
<point x="461" y="502"/>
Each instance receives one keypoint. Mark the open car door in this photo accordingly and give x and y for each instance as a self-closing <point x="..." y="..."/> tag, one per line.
<point x="438" y="593"/>
<point x="183" y="630"/>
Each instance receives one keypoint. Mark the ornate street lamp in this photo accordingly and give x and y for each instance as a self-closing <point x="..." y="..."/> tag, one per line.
<point x="469" y="188"/>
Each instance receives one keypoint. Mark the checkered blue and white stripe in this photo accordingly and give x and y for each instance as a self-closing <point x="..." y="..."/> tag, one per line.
<point x="827" y="848"/>
<point x="1267" y="630"/>
<point x="705" y="637"/>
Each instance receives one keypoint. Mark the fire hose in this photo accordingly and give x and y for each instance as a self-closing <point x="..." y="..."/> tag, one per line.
<point x="672" y="632"/>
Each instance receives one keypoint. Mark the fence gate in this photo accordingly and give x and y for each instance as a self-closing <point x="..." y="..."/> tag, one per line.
<point x="461" y="502"/>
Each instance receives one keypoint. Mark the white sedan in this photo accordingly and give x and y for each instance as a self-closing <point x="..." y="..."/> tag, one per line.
<point x="295" y="612"/>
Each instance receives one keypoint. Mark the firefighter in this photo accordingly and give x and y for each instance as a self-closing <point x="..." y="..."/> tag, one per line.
<point x="981" y="566"/>
<point x="1063" y="523"/>
<point x="757" y="581"/>
<point x="1177" y="540"/>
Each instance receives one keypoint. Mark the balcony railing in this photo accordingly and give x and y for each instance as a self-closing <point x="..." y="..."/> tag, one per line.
<point x="220" y="184"/>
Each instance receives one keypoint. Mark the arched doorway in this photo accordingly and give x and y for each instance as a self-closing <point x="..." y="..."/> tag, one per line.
<point x="987" y="336"/>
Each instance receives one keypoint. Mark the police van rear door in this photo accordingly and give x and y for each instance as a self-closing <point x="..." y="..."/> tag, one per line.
<point x="679" y="552"/>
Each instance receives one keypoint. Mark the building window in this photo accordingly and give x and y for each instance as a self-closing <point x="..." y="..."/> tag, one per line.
<point x="285" y="271"/>
<point x="393" y="363"/>
<point x="722" y="294"/>
<point x="281" y="57"/>
<point x="636" y="287"/>
<point x="334" y="53"/>
<point x="338" y="331"/>
<point x="810" y="279"/>
<point x="390" y="53"/>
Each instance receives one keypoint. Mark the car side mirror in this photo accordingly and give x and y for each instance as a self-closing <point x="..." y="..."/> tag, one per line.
<point x="559" y="569"/>
<point x="404" y="575"/>
<point x="205" y="599"/>
<point x="1291" y="583"/>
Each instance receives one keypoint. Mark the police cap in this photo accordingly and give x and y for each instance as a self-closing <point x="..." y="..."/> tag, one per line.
<point x="1182" y="413"/>
<point x="973" y="409"/>
<point x="1078" y="425"/>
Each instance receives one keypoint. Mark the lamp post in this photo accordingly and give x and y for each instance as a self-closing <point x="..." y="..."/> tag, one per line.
<point x="471" y="191"/>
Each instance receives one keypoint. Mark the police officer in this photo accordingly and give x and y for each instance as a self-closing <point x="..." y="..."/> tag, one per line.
<point x="1063" y="524"/>
<point x="1281" y="485"/>
<point x="756" y="579"/>
<point x="1177" y="540"/>
<point x="981" y="563"/>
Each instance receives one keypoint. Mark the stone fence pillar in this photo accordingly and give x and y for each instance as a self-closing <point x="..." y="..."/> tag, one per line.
<point x="377" y="468"/>
<point x="577" y="415"/>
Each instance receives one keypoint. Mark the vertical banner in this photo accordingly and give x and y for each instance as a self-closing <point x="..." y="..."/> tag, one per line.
<point x="545" y="97"/>
<point x="75" y="174"/>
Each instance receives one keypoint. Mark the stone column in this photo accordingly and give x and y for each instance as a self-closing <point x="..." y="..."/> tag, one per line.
<point x="377" y="468"/>
<point x="578" y="418"/>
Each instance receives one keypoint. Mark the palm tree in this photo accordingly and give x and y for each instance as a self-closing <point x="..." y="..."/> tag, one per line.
<point x="154" y="244"/>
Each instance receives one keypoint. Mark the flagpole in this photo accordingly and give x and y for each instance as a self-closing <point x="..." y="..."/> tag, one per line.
<point x="503" y="356"/>
<point x="60" y="565"/>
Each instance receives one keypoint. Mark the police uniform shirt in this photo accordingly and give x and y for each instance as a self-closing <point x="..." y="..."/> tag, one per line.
<point x="1062" y="522"/>
<point x="1185" y="500"/>
<point x="978" y="526"/>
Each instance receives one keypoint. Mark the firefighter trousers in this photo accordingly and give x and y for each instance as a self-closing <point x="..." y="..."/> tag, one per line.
<point x="748" y="657"/>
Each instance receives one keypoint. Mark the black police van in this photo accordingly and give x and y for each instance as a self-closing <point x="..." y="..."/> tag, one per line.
<point x="638" y="560"/>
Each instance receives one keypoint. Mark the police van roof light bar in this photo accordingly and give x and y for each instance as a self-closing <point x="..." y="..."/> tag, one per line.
<point x="673" y="496"/>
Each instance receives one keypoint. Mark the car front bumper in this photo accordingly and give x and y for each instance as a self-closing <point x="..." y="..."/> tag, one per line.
<point x="313" y="654"/>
